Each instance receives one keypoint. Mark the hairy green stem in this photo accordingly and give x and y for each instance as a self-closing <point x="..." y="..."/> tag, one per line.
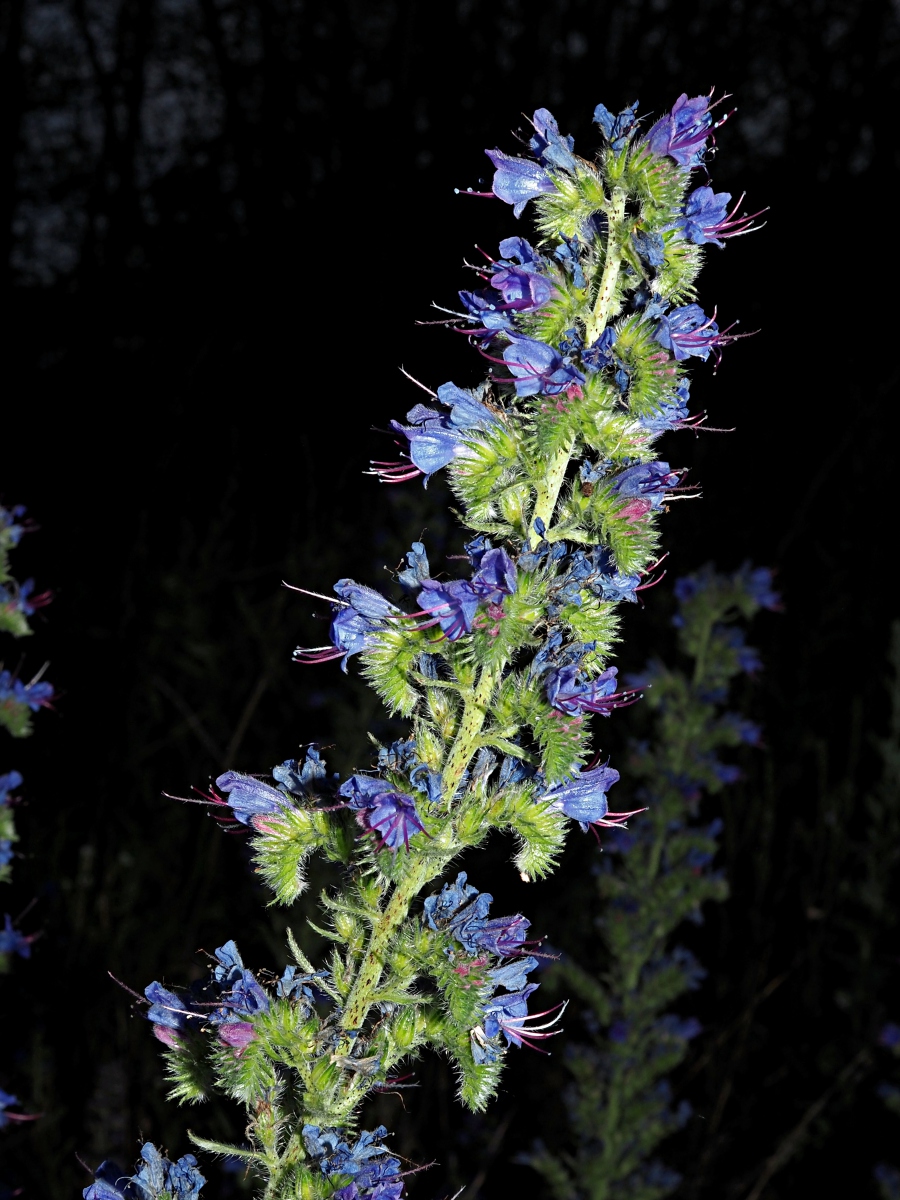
<point x="419" y="873"/>
<point x="549" y="488"/>
<point x="603" y="304"/>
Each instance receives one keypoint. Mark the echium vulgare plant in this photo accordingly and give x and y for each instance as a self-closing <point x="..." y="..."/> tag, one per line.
<point x="588" y="331"/>
<point x="658" y="876"/>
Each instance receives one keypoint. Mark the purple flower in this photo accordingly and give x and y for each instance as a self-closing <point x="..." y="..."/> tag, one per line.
<point x="567" y="694"/>
<point x="453" y="605"/>
<point x="496" y="576"/>
<point x="14" y="942"/>
<point x="682" y="133"/>
<point x="518" y="180"/>
<point x="381" y="808"/>
<point x="548" y="145"/>
<point x="688" y="331"/>
<point x="8" y="782"/>
<point x="890" y="1036"/>
<point x="646" y="481"/>
<point x="249" y="799"/>
<point x="538" y="368"/>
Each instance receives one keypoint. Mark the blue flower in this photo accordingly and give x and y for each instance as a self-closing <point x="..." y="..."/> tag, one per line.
<point x="367" y="1161"/>
<point x="35" y="695"/>
<point x="7" y="1100"/>
<point x="8" y="782"/>
<point x="648" y="481"/>
<point x="304" y="781"/>
<point x="454" y="605"/>
<point x="706" y="218"/>
<point x="538" y="368"/>
<point x="599" y="353"/>
<point x="616" y="129"/>
<point x="158" y="1179"/>
<point x="508" y="1014"/>
<point x="382" y="809"/>
<point x="417" y="567"/>
<point x="359" y="615"/>
<point x="671" y="413"/>
<point x="549" y="146"/>
<point x="512" y="975"/>
<point x="650" y="247"/>
<point x="171" y="1013"/>
<point x="503" y="936"/>
<point x="402" y="757"/>
<point x="584" y="798"/>
<point x="14" y="942"/>
<point x="436" y="438"/>
<point x="688" y="331"/>
<point x="461" y="910"/>
<point x="681" y="134"/>
<point x="250" y="799"/>
<point x="11" y="527"/>
<point x="705" y="214"/>
<point x="568" y="694"/>
<point x="518" y="180"/>
<point x="758" y="582"/>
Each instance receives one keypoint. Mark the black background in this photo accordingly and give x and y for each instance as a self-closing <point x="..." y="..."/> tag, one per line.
<point x="223" y="222"/>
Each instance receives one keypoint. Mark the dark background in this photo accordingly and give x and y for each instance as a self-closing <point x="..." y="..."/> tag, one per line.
<point x="222" y="221"/>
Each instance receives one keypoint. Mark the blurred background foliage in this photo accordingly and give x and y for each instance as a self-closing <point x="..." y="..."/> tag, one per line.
<point x="221" y="221"/>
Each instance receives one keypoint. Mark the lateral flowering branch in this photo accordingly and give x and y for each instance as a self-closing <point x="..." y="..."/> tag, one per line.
<point x="553" y="463"/>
